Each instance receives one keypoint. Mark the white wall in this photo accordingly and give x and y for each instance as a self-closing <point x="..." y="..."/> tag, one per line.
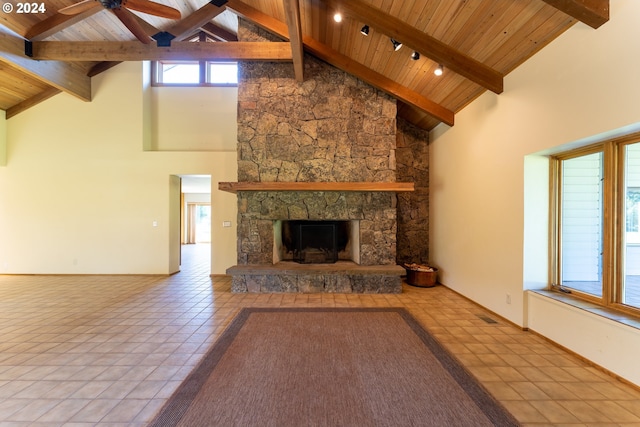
<point x="194" y="118"/>
<point x="79" y="194"/>
<point x="3" y="139"/>
<point x="582" y="87"/>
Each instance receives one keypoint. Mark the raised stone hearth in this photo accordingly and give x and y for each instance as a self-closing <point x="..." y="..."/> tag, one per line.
<point x="341" y="277"/>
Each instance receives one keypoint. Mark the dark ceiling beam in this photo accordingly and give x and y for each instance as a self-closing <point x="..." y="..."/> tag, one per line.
<point x="345" y="63"/>
<point x="61" y="75"/>
<point x="594" y="13"/>
<point x="428" y="46"/>
<point x="294" y="25"/>
<point x="178" y="51"/>
<point x="58" y="22"/>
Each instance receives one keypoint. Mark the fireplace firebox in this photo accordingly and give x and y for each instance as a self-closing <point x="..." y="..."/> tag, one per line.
<point x="315" y="242"/>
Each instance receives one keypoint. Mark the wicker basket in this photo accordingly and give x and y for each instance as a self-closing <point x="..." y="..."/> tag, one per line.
<point x="424" y="279"/>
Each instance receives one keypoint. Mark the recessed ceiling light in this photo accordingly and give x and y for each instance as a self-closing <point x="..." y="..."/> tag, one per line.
<point x="438" y="71"/>
<point x="337" y="17"/>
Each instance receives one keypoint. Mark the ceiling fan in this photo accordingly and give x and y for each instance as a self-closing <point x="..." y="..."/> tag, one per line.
<point x="121" y="9"/>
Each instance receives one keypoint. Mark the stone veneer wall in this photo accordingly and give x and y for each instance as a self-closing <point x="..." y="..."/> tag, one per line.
<point x="412" y="153"/>
<point x="332" y="127"/>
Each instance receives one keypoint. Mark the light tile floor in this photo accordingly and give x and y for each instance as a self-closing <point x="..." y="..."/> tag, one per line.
<point x="109" y="350"/>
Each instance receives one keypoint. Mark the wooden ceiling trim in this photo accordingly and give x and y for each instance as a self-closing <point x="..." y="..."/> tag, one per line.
<point x="594" y="13"/>
<point x="58" y="22"/>
<point x="30" y="102"/>
<point x="61" y="75"/>
<point x="424" y="43"/>
<point x="292" y="14"/>
<point x="178" y="51"/>
<point x="345" y="63"/>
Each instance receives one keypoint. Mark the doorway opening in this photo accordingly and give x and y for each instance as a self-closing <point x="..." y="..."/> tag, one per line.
<point x="195" y="222"/>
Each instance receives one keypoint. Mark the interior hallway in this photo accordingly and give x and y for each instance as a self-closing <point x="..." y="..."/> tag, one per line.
<point x="109" y="350"/>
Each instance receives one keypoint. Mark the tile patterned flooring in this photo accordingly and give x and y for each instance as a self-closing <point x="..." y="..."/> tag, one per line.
<point x="109" y="350"/>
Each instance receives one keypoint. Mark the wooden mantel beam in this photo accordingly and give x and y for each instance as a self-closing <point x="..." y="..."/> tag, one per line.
<point x="345" y="63"/>
<point x="60" y="75"/>
<point x="136" y="51"/>
<point x="233" y="187"/>
<point x="594" y="13"/>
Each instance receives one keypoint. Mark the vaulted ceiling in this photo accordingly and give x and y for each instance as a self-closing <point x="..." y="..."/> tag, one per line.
<point x="477" y="42"/>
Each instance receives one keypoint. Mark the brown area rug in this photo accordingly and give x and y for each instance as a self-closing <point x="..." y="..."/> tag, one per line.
<point x="329" y="367"/>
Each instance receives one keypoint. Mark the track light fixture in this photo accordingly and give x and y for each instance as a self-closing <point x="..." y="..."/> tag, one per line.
<point x="365" y="30"/>
<point x="415" y="55"/>
<point x="396" y="45"/>
<point x="438" y="71"/>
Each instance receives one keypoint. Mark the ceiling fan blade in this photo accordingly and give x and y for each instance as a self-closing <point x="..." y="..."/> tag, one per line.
<point x="80" y="7"/>
<point x="130" y="22"/>
<point x="152" y="8"/>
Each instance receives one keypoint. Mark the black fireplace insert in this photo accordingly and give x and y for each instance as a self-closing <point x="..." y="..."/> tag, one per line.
<point x="315" y="242"/>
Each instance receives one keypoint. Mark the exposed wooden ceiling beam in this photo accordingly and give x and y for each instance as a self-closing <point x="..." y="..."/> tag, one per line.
<point x="61" y="75"/>
<point x="136" y="51"/>
<point x="219" y="32"/>
<point x="345" y="63"/>
<point x="194" y="21"/>
<point x="30" y="102"/>
<point x="58" y="22"/>
<point x="594" y="13"/>
<point x="292" y="14"/>
<point x="208" y="27"/>
<point x="149" y="29"/>
<point x="379" y="81"/>
<point x="423" y="43"/>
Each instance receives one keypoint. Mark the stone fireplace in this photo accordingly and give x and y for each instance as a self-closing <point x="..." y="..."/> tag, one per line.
<point x="367" y="266"/>
<point x="319" y="151"/>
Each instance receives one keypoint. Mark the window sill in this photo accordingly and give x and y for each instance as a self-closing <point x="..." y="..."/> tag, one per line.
<point x="607" y="313"/>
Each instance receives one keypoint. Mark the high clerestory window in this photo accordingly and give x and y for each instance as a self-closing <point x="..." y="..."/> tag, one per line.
<point x="596" y="223"/>
<point x="195" y="73"/>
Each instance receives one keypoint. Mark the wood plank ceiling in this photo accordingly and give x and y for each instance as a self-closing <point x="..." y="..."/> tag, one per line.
<point x="477" y="42"/>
